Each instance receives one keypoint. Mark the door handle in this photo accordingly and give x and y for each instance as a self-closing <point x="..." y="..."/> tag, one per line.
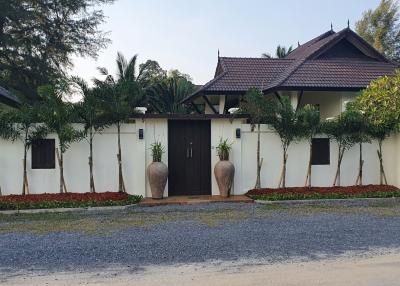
<point x="191" y="152"/>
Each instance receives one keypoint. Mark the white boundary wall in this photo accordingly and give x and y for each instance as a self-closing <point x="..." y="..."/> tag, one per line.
<point x="136" y="157"/>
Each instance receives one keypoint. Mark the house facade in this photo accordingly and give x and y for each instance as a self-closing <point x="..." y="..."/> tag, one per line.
<point x="328" y="71"/>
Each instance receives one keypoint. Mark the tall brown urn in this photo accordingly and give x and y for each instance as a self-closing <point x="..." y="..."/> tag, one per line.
<point x="224" y="172"/>
<point x="158" y="176"/>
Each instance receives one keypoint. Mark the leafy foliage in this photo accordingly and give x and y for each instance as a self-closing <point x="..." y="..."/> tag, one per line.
<point x="380" y="27"/>
<point x="38" y="38"/>
<point x="281" y="52"/>
<point x="157" y="150"/>
<point x="166" y="95"/>
<point x="57" y="115"/>
<point x="223" y="149"/>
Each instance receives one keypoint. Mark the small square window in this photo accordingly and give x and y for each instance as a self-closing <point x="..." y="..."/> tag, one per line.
<point x="320" y="151"/>
<point x="43" y="154"/>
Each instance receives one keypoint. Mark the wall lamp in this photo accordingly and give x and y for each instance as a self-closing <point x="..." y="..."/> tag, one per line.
<point x="237" y="133"/>
<point x="141" y="134"/>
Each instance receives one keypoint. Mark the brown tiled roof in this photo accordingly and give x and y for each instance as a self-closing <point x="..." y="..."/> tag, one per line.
<point x="341" y="73"/>
<point x="301" y="69"/>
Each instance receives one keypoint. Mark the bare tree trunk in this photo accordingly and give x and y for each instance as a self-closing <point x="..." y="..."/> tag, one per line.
<point x="308" y="178"/>
<point x="359" y="180"/>
<point x="382" y="175"/>
<point x="282" y="181"/>
<point x="259" y="161"/>
<point x="60" y="159"/>
<point x="336" y="181"/>
<point x="92" y="186"/>
<point x="121" y="184"/>
<point x="25" y="184"/>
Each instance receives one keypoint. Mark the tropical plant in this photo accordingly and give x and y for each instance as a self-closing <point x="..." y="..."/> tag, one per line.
<point x="259" y="108"/>
<point x="380" y="105"/>
<point x="157" y="150"/>
<point x="380" y="27"/>
<point x="310" y="124"/>
<point x="166" y="95"/>
<point x="223" y="149"/>
<point x="39" y="37"/>
<point x="58" y="116"/>
<point x="287" y="125"/>
<point x="120" y="96"/>
<point x="90" y="114"/>
<point x="344" y="129"/>
<point x="280" y="53"/>
<point x="22" y="124"/>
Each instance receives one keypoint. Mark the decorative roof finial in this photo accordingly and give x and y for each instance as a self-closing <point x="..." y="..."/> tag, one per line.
<point x="348" y="24"/>
<point x="298" y="43"/>
<point x="331" y="26"/>
<point x="218" y="53"/>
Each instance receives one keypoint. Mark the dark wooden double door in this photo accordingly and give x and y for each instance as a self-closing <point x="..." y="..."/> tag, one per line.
<point x="189" y="157"/>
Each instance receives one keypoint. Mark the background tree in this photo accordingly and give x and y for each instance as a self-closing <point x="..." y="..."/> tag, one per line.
<point x="38" y="38"/>
<point x="90" y="114"/>
<point x="344" y="130"/>
<point x="310" y="124"/>
<point x="260" y="109"/>
<point x="58" y="116"/>
<point x="120" y="96"/>
<point x="287" y="125"/>
<point x="23" y="124"/>
<point x="280" y="53"/>
<point x="166" y="95"/>
<point x="380" y="27"/>
<point x="380" y="104"/>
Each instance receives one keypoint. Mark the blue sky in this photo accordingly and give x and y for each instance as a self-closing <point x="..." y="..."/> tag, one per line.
<point x="186" y="34"/>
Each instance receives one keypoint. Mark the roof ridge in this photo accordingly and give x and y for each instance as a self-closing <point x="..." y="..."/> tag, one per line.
<point x="259" y="58"/>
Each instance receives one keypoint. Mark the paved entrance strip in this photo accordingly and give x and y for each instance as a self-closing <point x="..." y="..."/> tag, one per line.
<point x="189" y="200"/>
<point x="191" y="244"/>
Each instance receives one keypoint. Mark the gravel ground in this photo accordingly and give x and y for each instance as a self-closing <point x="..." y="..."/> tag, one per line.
<point x="188" y="234"/>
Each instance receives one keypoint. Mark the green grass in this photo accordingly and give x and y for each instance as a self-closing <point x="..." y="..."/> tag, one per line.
<point x="319" y="196"/>
<point x="132" y="199"/>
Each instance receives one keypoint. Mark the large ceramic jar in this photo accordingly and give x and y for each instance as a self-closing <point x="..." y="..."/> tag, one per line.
<point x="224" y="172"/>
<point x="158" y="176"/>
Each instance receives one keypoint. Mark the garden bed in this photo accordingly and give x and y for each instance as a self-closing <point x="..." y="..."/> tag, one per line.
<point x="70" y="200"/>
<point x="314" y="193"/>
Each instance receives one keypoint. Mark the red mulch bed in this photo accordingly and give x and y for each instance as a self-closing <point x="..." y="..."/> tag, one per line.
<point x="325" y="190"/>
<point x="69" y="197"/>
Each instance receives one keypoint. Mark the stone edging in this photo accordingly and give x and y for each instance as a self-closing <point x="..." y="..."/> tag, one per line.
<point x="347" y="202"/>
<point x="66" y="210"/>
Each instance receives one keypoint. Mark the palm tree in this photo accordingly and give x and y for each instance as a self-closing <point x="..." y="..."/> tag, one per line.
<point x="119" y="97"/>
<point x="90" y="114"/>
<point x="287" y="125"/>
<point x="281" y="52"/>
<point x="166" y="95"/>
<point x="22" y="124"/>
<point x="259" y="108"/>
<point x="58" y="115"/>
<point x="310" y="121"/>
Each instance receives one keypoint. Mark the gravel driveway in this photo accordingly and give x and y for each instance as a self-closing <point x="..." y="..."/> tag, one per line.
<point x="187" y="234"/>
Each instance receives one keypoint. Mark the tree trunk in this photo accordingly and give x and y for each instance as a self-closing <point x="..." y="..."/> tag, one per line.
<point x="359" y="180"/>
<point x="336" y="181"/>
<point x="121" y="184"/>
<point x="25" y="184"/>
<point x="282" y="181"/>
<point x="60" y="159"/>
<point x="382" y="175"/>
<point x="92" y="187"/>
<point x="308" y="178"/>
<point x="259" y="161"/>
